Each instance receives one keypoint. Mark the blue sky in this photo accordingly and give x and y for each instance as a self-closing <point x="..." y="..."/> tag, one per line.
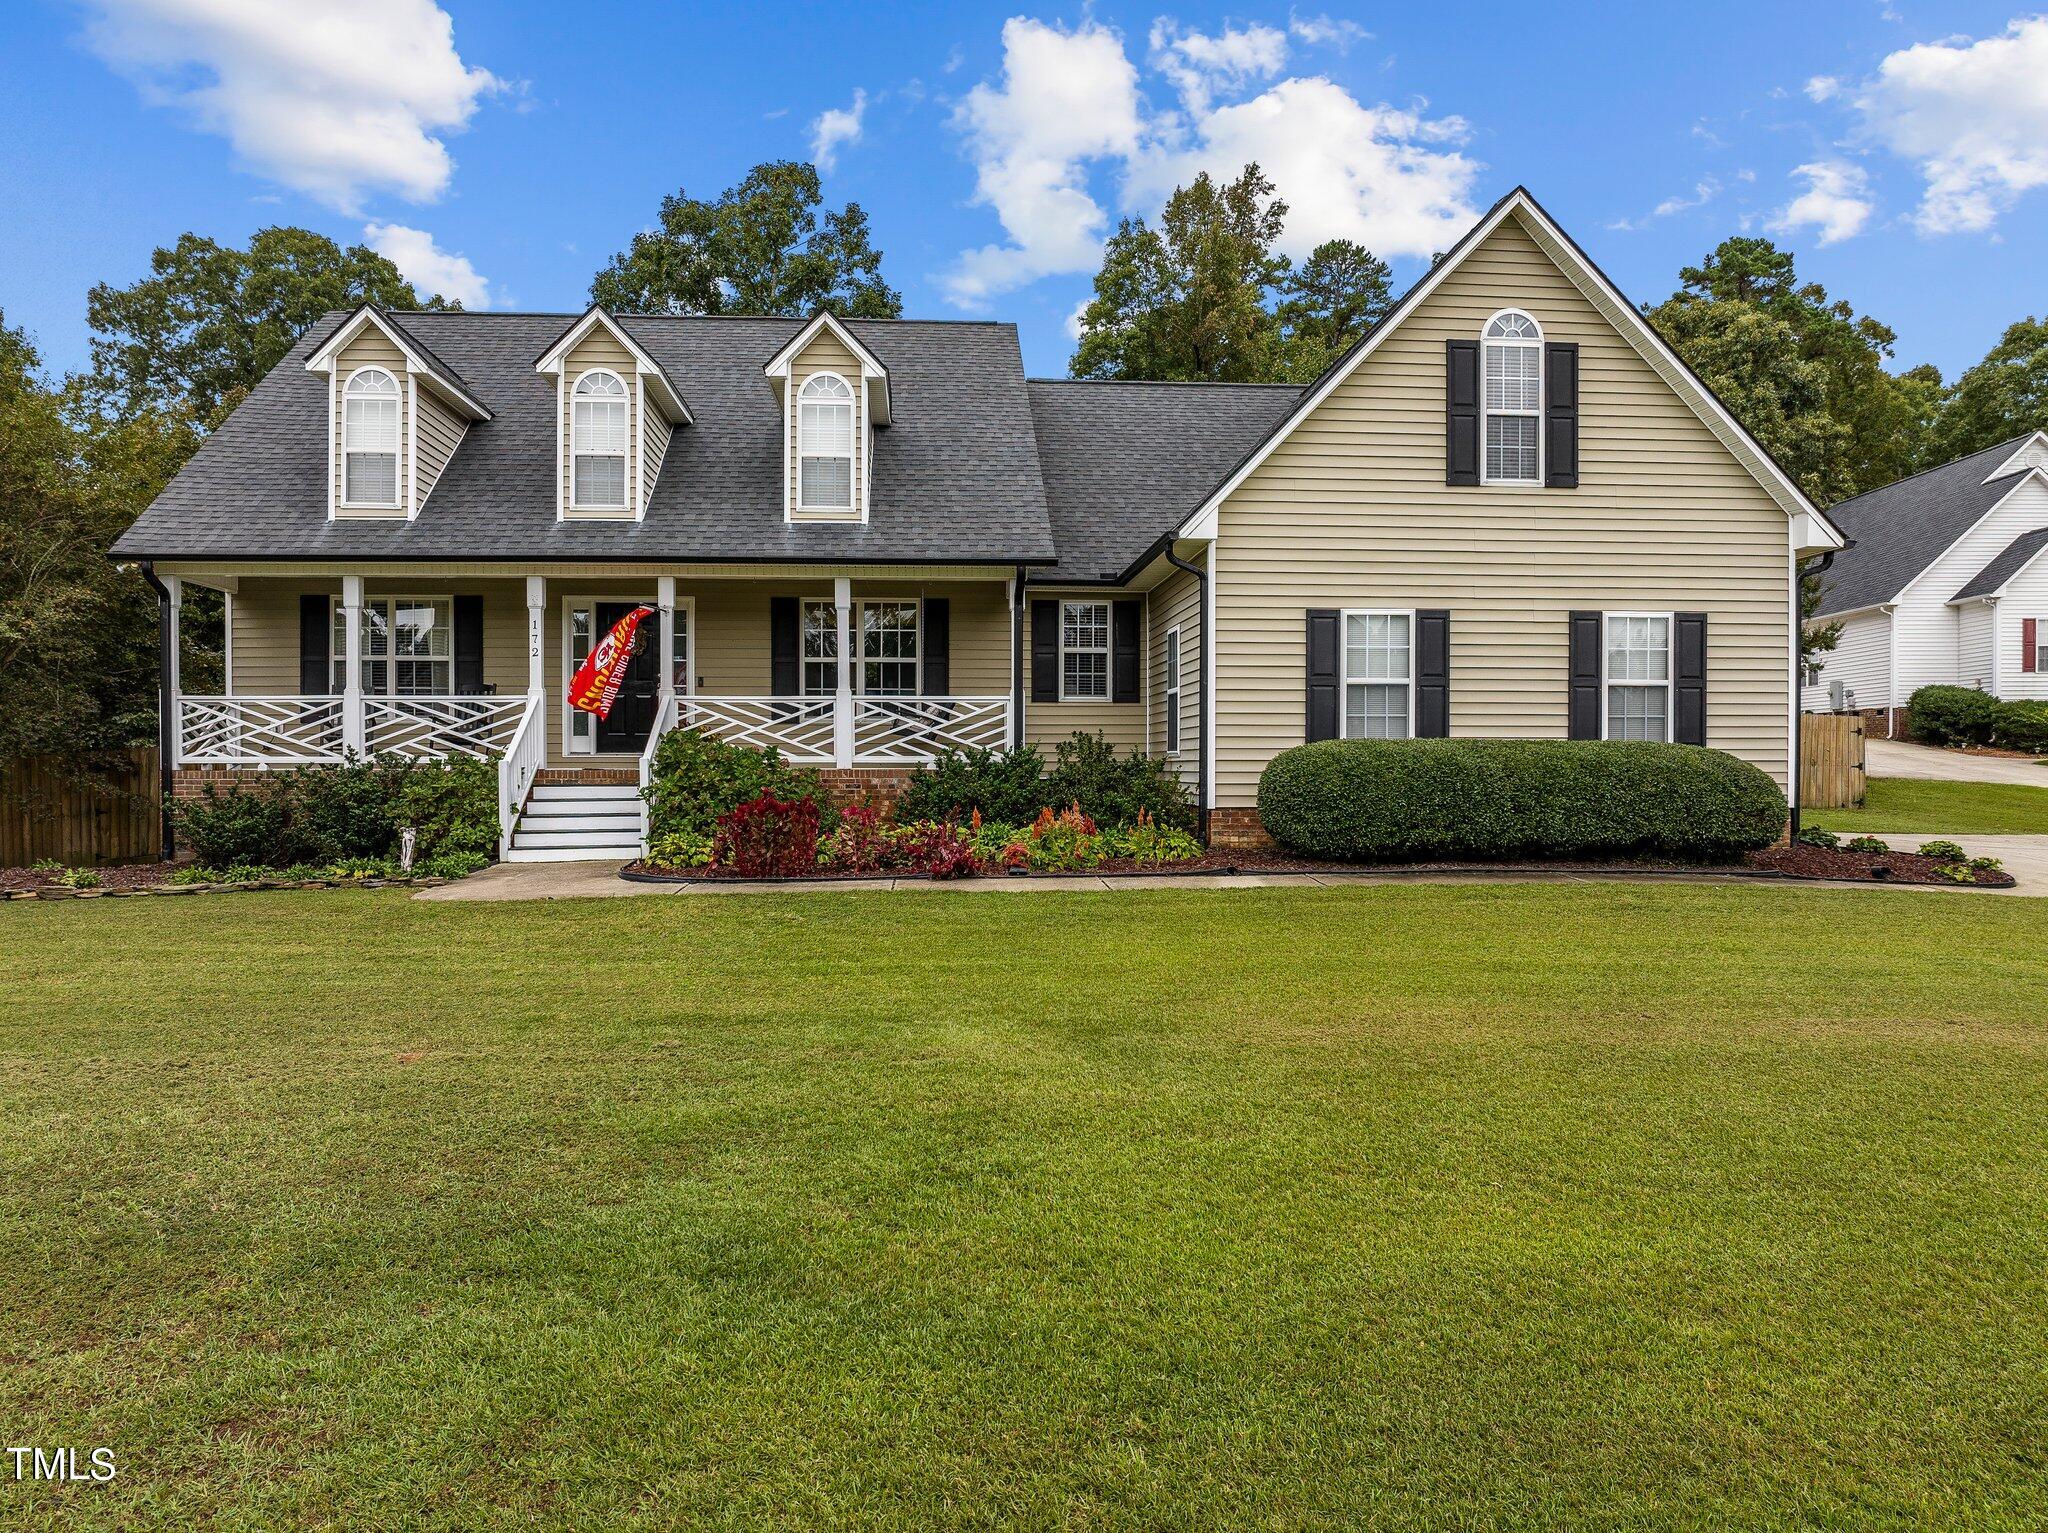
<point x="505" y="150"/>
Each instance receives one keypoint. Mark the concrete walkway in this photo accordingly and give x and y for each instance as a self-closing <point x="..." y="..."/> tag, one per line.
<point x="1902" y="758"/>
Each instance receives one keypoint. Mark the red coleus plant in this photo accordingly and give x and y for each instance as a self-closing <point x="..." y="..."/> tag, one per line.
<point x="768" y="838"/>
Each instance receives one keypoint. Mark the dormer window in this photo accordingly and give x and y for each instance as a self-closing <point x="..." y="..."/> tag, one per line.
<point x="598" y="442"/>
<point x="1513" y="371"/>
<point x="369" y="439"/>
<point x="825" y="444"/>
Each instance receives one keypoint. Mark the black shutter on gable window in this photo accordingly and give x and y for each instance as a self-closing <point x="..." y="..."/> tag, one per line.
<point x="1561" y="415"/>
<point x="1689" y="678"/>
<point x="785" y="648"/>
<point x="1433" y="674"/>
<point x="1587" y="635"/>
<point x="1123" y="656"/>
<point x="469" y="646"/>
<point x="937" y="659"/>
<point x="315" y="664"/>
<point x="1461" y="412"/>
<point x="1045" y="652"/>
<point x="1325" y="672"/>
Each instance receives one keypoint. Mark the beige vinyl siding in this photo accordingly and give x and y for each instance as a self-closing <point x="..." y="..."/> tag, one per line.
<point x="370" y="348"/>
<point x="1176" y="602"/>
<point x="826" y="354"/>
<point x="1123" y="725"/>
<point x="440" y="433"/>
<point x="1352" y="510"/>
<point x="658" y="433"/>
<point x="598" y="349"/>
<point x="266" y="628"/>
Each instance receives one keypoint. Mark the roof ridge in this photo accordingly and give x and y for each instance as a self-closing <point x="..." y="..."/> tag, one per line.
<point x="793" y="319"/>
<point x="1168" y="383"/>
<point x="1935" y="468"/>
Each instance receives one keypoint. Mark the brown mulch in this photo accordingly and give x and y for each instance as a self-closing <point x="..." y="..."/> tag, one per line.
<point x="1869" y="867"/>
<point x="133" y="875"/>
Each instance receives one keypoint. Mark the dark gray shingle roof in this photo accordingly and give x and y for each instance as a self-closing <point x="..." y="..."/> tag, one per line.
<point x="448" y="374"/>
<point x="1124" y="462"/>
<point x="956" y="477"/>
<point x="1902" y="528"/>
<point x="2010" y="561"/>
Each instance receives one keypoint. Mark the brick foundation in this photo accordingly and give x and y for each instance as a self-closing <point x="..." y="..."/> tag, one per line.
<point x="1239" y="830"/>
<point x="587" y="777"/>
<point x="189" y="781"/>
<point x="851" y="785"/>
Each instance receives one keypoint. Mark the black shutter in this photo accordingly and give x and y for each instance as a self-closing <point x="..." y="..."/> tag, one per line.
<point x="1689" y="676"/>
<point x="315" y="670"/>
<point x="1045" y="652"/>
<point x="1325" y="675"/>
<point x="469" y="646"/>
<point x="938" y="646"/>
<point x="1587" y="630"/>
<point x="1561" y="415"/>
<point x="1123" y="658"/>
<point x="785" y="651"/>
<point x="1433" y="675"/>
<point x="1461" y="412"/>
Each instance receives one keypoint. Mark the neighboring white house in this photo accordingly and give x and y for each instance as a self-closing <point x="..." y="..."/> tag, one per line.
<point x="1944" y="583"/>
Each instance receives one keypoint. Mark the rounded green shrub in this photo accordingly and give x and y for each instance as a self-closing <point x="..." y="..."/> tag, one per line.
<point x="1953" y="715"/>
<point x="1422" y="800"/>
<point x="2020" y="726"/>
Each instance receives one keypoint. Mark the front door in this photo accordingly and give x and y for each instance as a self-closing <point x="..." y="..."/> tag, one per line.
<point x="632" y="715"/>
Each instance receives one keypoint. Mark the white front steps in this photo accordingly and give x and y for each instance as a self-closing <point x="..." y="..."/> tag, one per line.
<point x="578" y="822"/>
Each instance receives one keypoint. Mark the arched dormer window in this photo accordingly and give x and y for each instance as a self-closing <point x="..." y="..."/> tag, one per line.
<point x="369" y="439"/>
<point x="1512" y="346"/>
<point x="597" y="442"/>
<point x="825" y="444"/>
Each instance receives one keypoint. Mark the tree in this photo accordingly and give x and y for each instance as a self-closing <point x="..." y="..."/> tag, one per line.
<point x="2002" y="396"/>
<point x="210" y="320"/>
<point x="1205" y="297"/>
<point x="760" y="248"/>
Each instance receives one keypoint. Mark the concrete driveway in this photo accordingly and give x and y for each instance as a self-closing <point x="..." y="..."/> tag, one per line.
<point x="1902" y="758"/>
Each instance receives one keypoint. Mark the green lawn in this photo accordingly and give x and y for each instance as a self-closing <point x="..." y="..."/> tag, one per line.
<point x="1421" y="1206"/>
<point x="1913" y="804"/>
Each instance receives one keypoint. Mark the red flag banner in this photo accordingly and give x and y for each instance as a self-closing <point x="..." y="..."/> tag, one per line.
<point x="595" y="686"/>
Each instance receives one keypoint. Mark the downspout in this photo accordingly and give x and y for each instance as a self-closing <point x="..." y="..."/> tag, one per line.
<point x="1202" y="670"/>
<point x="1799" y="577"/>
<point x="1019" y="612"/>
<point x="165" y="703"/>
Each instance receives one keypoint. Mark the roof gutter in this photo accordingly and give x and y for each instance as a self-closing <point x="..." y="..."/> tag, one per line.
<point x="1202" y="670"/>
<point x="166" y="636"/>
<point x="1799" y="578"/>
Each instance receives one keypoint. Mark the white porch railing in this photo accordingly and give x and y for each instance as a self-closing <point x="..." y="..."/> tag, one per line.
<point x="258" y="731"/>
<point x="889" y="731"/>
<point x="799" y="727"/>
<point x="440" y="726"/>
<point x="525" y="754"/>
<point x="664" y="721"/>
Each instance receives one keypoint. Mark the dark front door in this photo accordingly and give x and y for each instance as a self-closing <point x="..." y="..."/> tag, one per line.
<point x="632" y="714"/>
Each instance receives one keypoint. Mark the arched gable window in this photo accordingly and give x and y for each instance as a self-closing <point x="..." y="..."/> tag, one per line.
<point x="597" y="442"/>
<point x="1513" y="350"/>
<point x="369" y="439"/>
<point x="825" y="444"/>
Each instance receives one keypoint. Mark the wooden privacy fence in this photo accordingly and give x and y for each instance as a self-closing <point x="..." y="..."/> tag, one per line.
<point x="1831" y="761"/>
<point x="53" y="808"/>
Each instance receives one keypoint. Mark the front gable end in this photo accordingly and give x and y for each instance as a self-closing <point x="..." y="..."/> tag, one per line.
<point x="834" y="392"/>
<point x="616" y="410"/>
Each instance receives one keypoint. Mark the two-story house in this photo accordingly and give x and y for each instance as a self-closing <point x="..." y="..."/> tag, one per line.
<point x="1510" y="510"/>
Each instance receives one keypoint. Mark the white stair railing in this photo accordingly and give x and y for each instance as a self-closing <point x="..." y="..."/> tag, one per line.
<point x="525" y="754"/>
<point x="799" y="727"/>
<point x="908" y="730"/>
<point x="664" y="721"/>
<point x="258" y="731"/>
<point x="440" y="726"/>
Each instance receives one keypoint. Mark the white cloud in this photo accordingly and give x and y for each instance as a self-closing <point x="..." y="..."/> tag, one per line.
<point x="427" y="266"/>
<point x="1069" y="103"/>
<point x="312" y="95"/>
<point x="1199" y="65"/>
<point x="1703" y="192"/>
<point x="1834" y="202"/>
<point x="1326" y="31"/>
<point x="836" y="127"/>
<point x="1823" y="88"/>
<point x="1972" y="115"/>
<point x="1067" y="98"/>
<point x="1075" y="316"/>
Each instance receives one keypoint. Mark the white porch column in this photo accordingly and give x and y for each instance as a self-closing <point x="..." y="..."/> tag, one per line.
<point x="665" y="599"/>
<point x="842" y="700"/>
<point x="536" y="635"/>
<point x="175" y="725"/>
<point x="352" y="664"/>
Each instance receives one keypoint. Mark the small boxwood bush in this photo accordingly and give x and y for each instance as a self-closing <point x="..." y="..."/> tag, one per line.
<point x="698" y="780"/>
<point x="1953" y="715"/>
<point x="2021" y="726"/>
<point x="1420" y="800"/>
<point x="1112" y="787"/>
<point x="1005" y="787"/>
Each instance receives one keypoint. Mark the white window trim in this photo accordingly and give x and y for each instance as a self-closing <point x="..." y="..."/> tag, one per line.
<point x="1345" y="679"/>
<point x="1670" y="670"/>
<point x="391" y="659"/>
<point x="854" y="629"/>
<point x="852" y="428"/>
<point x="626" y="506"/>
<point x="684" y="604"/>
<point x="1486" y="415"/>
<point x="1175" y="725"/>
<point x="1108" y="650"/>
<point x="397" y="397"/>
